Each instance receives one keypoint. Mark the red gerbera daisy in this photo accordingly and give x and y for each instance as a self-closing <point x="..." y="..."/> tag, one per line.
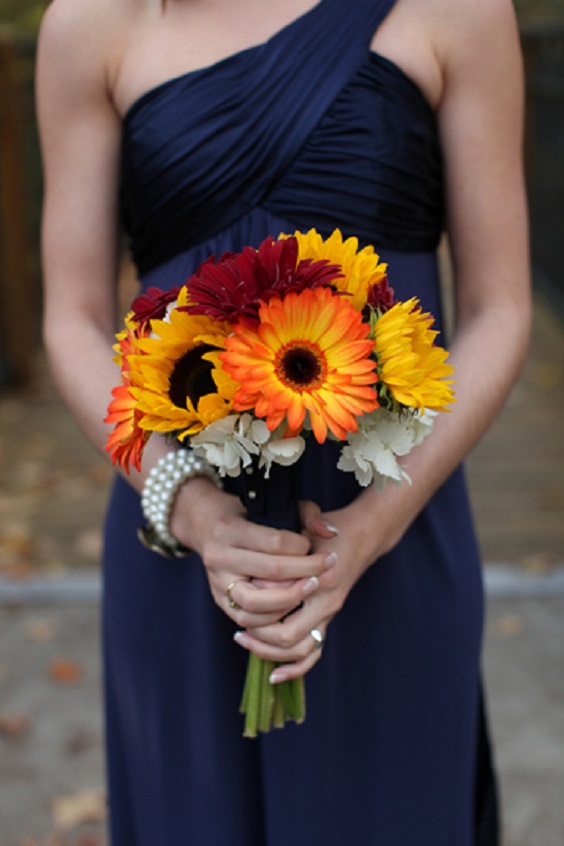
<point x="152" y="305"/>
<point x="237" y="285"/>
<point x="381" y="296"/>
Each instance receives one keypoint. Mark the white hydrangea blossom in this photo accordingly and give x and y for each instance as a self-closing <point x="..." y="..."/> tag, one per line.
<point x="229" y="443"/>
<point x="372" y="453"/>
<point x="283" y="451"/>
<point x="226" y="444"/>
<point x="423" y="424"/>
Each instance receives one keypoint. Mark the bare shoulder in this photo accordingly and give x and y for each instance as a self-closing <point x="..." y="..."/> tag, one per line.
<point x="77" y="40"/>
<point x="475" y="34"/>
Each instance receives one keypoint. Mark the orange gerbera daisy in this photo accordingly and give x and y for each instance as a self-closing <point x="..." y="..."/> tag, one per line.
<point x="309" y="353"/>
<point x="127" y="441"/>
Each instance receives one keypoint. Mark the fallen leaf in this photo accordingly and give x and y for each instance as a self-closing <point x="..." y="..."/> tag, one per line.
<point x="39" y="447"/>
<point x="539" y="563"/>
<point x="17" y="571"/>
<point x="41" y="630"/>
<point x="547" y="377"/>
<point x="86" y="806"/>
<point x="100" y="473"/>
<point x="88" y="840"/>
<point x="18" y="540"/>
<point x="52" y="840"/>
<point x="81" y="740"/>
<point x="89" y="543"/>
<point x="510" y="625"/>
<point x="65" y="671"/>
<point x="552" y="499"/>
<point x="14" y="726"/>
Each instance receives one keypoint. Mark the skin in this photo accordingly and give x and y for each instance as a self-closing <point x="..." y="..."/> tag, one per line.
<point x="94" y="61"/>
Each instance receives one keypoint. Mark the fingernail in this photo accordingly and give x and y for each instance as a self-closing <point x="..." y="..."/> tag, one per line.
<point x="330" y="560"/>
<point x="310" y="586"/>
<point x="242" y="639"/>
<point x="277" y="676"/>
<point x="331" y="527"/>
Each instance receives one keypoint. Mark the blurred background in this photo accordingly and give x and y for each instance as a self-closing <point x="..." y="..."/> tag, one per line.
<point x="53" y="488"/>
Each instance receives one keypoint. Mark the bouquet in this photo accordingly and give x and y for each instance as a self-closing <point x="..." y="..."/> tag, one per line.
<point x="262" y="349"/>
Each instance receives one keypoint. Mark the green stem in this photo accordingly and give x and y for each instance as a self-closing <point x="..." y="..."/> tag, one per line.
<point x="252" y="695"/>
<point x="268" y="706"/>
<point x="266" y="697"/>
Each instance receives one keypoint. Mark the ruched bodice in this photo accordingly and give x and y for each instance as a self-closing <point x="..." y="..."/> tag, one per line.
<point x="270" y="128"/>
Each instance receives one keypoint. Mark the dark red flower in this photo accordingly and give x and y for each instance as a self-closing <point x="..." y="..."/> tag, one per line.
<point x="381" y="297"/>
<point x="237" y="285"/>
<point x="152" y="305"/>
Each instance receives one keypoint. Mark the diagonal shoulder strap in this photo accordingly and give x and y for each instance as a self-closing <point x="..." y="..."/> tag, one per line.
<point x="308" y="65"/>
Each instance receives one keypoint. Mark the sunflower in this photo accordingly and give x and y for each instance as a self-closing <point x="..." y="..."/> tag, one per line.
<point x="177" y="380"/>
<point x="410" y="365"/>
<point x="361" y="269"/>
<point x="309" y="353"/>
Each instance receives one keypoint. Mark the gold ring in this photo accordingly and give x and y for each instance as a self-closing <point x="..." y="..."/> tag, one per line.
<point x="229" y="588"/>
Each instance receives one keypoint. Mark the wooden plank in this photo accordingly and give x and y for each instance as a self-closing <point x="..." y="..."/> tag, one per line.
<point x="17" y="309"/>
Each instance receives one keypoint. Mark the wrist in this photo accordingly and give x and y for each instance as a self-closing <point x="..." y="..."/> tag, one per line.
<point x="194" y="511"/>
<point x="160" y="491"/>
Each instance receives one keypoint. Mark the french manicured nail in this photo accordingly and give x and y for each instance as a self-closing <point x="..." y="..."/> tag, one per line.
<point x="330" y="560"/>
<point x="310" y="586"/>
<point x="331" y="527"/>
<point x="277" y="676"/>
<point x="242" y="639"/>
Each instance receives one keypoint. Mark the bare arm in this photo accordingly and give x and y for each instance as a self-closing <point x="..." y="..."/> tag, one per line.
<point x="480" y="117"/>
<point x="81" y="136"/>
<point x="80" y="143"/>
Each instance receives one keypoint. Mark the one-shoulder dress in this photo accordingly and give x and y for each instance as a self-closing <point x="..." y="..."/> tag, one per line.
<point x="309" y="129"/>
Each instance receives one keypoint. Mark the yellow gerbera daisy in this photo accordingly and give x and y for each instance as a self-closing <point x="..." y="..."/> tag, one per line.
<point x="177" y="380"/>
<point x="361" y="268"/>
<point x="310" y="353"/>
<point x="410" y="365"/>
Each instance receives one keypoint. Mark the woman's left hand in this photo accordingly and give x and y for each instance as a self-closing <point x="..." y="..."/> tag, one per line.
<point x="296" y="642"/>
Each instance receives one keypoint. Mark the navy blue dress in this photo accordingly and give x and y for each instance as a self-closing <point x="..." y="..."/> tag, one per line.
<point x="308" y="129"/>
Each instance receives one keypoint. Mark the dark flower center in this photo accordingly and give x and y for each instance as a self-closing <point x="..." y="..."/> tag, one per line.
<point x="191" y="377"/>
<point x="300" y="366"/>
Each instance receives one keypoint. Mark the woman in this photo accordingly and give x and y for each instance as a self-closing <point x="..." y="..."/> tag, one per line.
<point x="207" y="126"/>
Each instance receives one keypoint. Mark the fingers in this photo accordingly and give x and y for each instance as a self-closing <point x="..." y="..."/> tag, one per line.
<point x="276" y="568"/>
<point x="237" y="531"/>
<point x="254" y="606"/>
<point x="295" y="660"/>
<point x="314" y="522"/>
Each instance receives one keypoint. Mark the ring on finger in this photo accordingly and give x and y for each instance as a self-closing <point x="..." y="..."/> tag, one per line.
<point x="229" y="593"/>
<point x="318" y="638"/>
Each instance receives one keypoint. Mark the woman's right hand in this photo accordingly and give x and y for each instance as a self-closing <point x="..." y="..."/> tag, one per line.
<point x="236" y="552"/>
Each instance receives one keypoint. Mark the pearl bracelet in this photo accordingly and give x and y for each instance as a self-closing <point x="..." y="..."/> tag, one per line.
<point x="159" y="492"/>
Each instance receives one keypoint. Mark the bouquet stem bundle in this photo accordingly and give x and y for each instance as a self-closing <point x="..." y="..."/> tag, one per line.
<point x="267" y="706"/>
